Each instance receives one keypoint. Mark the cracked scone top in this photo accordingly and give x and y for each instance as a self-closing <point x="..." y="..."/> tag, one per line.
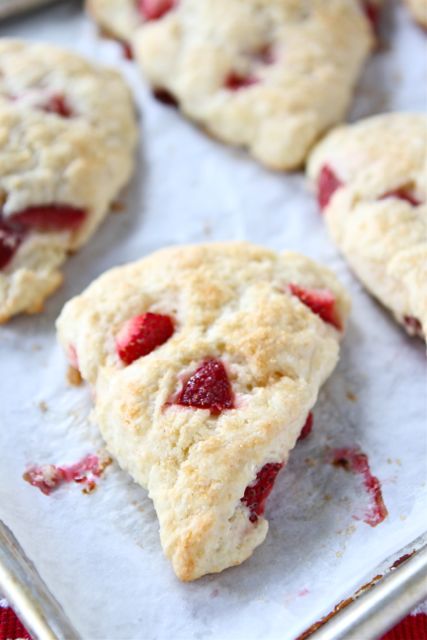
<point x="67" y="134"/>
<point x="205" y="362"/>
<point x="372" y="185"/>
<point x="267" y="75"/>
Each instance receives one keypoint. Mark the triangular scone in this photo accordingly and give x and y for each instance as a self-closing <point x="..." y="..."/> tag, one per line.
<point x="371" y="180"/>
<point x="205" y="362"/>
<point x="67" y="135"/>
<point x="267" y="75"/>
<point x="419" y="10"/>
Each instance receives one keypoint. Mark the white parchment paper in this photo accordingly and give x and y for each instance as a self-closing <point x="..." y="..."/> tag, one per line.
<point x="100" y="553"/>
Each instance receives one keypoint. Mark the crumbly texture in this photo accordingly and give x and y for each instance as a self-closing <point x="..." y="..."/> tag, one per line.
<point x="384" y="239"/>
<point x="297" y="64"/>
<point x="117" y="18"/>
<point x="230" y="302"/>
<point x="419" y="10"/>
<point x="82" y="160"/>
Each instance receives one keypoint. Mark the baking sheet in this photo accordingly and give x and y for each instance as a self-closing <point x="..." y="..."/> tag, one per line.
<point x="99" y="553"/>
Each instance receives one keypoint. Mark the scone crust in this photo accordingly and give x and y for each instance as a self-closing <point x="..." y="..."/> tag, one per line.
<point x="305" y="60"/>
<point x="117" y="19"/>
<point x="230" y="302"/>
<point x="81" y="161"/>
<point x="383" y="238"/>
<point x="418" y="9"/>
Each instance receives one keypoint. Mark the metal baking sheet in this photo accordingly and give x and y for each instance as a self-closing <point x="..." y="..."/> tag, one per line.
<point x="99" y="553"/>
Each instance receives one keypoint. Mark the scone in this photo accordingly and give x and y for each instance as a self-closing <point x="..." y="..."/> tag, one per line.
<point x="267" y="75"/>
<point x="205" y="362"/>
<point x="67" y="135"/>
<point x="418" y="9"/>
<point x="371" y="181"/>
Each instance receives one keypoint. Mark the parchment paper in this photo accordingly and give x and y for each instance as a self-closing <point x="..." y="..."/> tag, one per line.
<point x="100" y="553"/>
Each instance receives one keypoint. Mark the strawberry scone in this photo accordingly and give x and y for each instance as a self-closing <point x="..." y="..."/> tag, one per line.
<point x="206" y="361"/>
<point x="418" y="9"/>
<point x="67" y="135"/>
<point x="371" y="182"/>
<point x="267" y="75"/>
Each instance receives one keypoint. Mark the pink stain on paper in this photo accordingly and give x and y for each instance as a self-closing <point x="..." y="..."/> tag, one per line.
<point x="355" y="461"/>
<point x="49" y="477"/>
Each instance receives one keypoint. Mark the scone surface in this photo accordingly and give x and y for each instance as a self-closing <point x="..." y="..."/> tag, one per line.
<point x="267" y="75"/>
<point x="67" y="134"/>
<point x="257" y="355"/>
<point x="372" y="183"/>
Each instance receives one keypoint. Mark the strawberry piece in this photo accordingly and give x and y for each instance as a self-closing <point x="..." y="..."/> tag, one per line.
<point x="208" y="388"/>
<point x="58" y="104"/>
<point x="256" y="494"/>
<point x="235" y="81"/>
<point x="327" y="184"/>
<point x="402" y="194"/>
<point x="165" y="97"/>
<point x="141" y="335"/>
<point x="155" y="9"/>
<point x="307" y="428"/>
<point x="320" y="301"/>
<point x="11" y="236"/>
<point x="72" y="356"/>
<point x="372" y="12"/>
<point x="51" y="217"/>
<point x="413" y="326"/>
<point x="49" y="477"/>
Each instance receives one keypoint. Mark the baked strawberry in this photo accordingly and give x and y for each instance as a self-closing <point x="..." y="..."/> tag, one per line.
<point x="155" y="9"/>
<point x="372" y="12"/>
<point x="51" y="217"/>
<point x="208" y="388"/>
<point x="413" y="326"/>
<point x="320" y="301"/>
<point x="307" y="428"/>
<point x="142" y="334"/>
<point x="327" y="183"/>
<point x="11" y="237"/>
<point x="235" y="81"/>
<point x="58" y="104"/>
<point x="403" y="194"/>
<point x="256" y="494"/>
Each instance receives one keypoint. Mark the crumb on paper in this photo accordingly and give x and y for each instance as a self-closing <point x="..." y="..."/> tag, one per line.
<point x="310" y="462"/>
<point x="43" y="406"/>
<point x="36" y="347"/>
<point x="74" y="377"/>
<point x="118" y="207"/>
<point x="351" y="396"/>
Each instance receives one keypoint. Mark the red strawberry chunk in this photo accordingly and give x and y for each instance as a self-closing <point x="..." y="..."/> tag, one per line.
<point x="235" y="81"/>
<point x="208" y="388"/>
<point x="413" y="326"/>
<point x="307" y="428"/>
<point x="11" y="236"/>
<point x="320" y="301"/>
<point x="402" y="194"/>
<point x="327" y="184"/>
<point x="155" y="9"/>
<point x="58" y="104"/>
<point x="51" y="217"/>
<point x="372" y="12"/>
<point x="140" y="335"/>
<point x="256" y="494"/>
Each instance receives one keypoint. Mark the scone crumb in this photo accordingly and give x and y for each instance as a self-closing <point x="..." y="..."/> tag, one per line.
<point x="74" y="377"/>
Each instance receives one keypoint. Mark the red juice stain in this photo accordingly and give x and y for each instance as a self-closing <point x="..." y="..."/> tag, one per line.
<point x="355" y="461"/>
<point x="49" y="477"/>
<point x="307" y="428"/>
